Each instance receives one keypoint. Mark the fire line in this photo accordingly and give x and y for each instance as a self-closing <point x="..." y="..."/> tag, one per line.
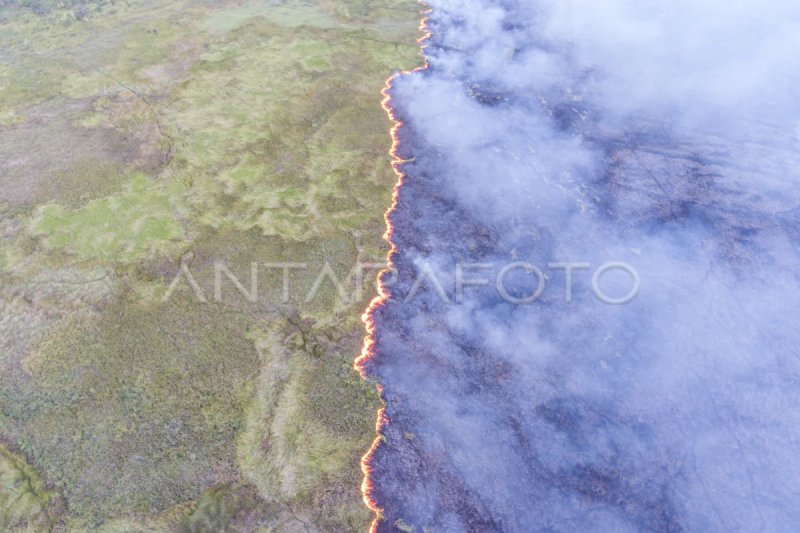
<point x="369" y="324"/>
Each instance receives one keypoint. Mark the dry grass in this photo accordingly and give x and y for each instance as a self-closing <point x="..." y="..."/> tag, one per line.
<point x="153" y="128"/>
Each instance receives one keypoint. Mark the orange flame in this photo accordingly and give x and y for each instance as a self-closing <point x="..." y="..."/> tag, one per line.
<point x="369" y="341"/>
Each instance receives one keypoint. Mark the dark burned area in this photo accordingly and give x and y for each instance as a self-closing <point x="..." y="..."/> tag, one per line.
<point x="649" y="180"/>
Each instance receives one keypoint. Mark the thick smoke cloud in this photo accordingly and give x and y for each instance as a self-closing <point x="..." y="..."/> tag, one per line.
<point x="659" y="134"/>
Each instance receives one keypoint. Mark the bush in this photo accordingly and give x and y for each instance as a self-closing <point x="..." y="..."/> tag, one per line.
<point x="40" y="8"/>
<point x="80" y="12"/>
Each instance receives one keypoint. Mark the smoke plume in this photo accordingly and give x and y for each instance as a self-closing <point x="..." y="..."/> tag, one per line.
<point x="662" y="135"/>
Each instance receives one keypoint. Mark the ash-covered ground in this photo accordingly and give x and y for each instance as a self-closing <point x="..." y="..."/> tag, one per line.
<point x="663" y="136"/>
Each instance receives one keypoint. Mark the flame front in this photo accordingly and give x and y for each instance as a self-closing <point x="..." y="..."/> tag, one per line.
<point x="369" y="323"/>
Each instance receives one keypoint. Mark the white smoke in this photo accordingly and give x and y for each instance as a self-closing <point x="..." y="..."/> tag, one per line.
<point x="661" y="134"/>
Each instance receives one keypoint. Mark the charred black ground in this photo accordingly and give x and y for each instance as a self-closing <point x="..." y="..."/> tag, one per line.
<point x="650" y="416"/>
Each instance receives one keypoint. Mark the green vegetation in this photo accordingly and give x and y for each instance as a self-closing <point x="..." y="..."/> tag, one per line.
<point x="306" y="427"/>
<point x="134" y="133"/>
<point x="26" y="504"/>
<point x="135" y="223"/>
<point x="150" y="411"/>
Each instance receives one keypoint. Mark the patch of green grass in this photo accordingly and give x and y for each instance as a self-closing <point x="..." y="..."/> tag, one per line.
<point x="88" y="179"/>
<point x="268" y="143"/>
<point x="298" y="152"/>
<point x="312" y="419"/>
<point x="26" y="504"/>
<point x="136" y="409"/>
<point x="138" y="222"/>
<point x="290" y="16"/>
<point x="38" y="80"/>
<point x="142" y="45"/>
<point x="10" y="118"/>
<point x="225" y="510"/>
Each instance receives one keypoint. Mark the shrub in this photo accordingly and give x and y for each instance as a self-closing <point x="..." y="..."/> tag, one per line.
<point x="80" y="12"/>
<point x="39" y="8"/>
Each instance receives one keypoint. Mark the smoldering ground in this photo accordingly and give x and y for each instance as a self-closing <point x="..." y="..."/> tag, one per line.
<point x="664" y="135"/>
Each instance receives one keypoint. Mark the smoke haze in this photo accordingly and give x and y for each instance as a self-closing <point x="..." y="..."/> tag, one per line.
<point x="660" y="134"/>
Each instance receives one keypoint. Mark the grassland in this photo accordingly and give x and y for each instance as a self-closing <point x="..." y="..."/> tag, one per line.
<point x="138" y="134"/>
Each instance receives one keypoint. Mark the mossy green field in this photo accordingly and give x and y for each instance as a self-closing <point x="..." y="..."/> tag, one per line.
<point x="137" y="136"/>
